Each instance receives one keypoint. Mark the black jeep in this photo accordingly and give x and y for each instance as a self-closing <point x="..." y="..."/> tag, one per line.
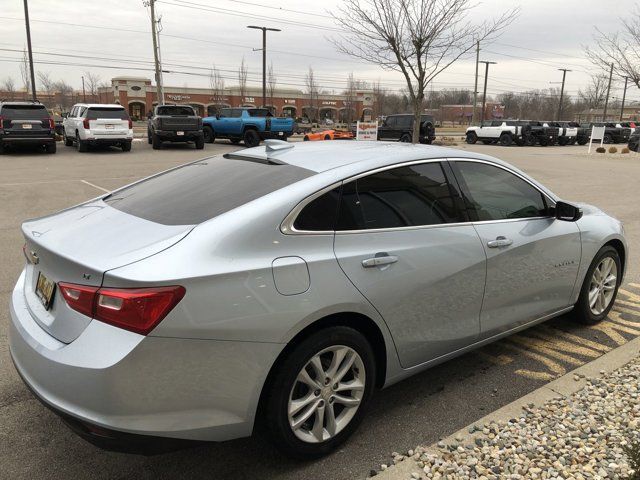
<point x="400" y="128"/>
<point x="26" y="123"/>
<point x="175" y="123"/>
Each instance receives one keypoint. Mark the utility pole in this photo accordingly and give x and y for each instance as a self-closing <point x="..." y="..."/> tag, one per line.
<point x="475" y="89"/>
<point x="624" y="96"/>
<point x="84" y="95"/>
<point x="156" y="55"/>
<point x="484" y="94"/>
<point x="564" y="74"/>
<point x="606" y="101"/>
<point x="264" y="58"/>
<point x="33" y="75"/>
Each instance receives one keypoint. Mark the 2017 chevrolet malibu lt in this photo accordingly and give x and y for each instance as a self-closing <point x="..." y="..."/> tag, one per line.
<point x="284" y="284"/>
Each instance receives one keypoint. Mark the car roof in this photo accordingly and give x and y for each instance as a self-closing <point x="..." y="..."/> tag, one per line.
<point x="16" y="102"/>
<point x="329" y="155"/>
<point x="92" y="105"/>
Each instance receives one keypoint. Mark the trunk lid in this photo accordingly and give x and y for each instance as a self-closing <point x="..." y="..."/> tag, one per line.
<point x="78" y="246"/>
<point x="281" y="124"/>
<point x="109" y="126"/>
<point x="179" y="123"/>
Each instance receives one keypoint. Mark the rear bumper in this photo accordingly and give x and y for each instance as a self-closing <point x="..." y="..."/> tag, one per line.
<point x="275" y="134"/>
<point x="40" y="140"/>
<point x="172" y="136"/>
<point x="110" y="382"/>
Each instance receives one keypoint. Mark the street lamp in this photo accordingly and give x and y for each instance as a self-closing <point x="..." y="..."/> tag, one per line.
<point x="484" y="94"/>
<point x="264" y="58"/>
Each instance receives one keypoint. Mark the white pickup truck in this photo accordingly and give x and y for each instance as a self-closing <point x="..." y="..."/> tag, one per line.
<point x="505" y="132"/>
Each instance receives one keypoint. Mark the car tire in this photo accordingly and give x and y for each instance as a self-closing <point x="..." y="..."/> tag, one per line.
<point x="1" y="148"/>
<point x="306" y="138"/>
<point x="584" y="311"/>
<point x="543" y="141"/>
<point x="607" y="138"/>
<point x="51" y="147"/>
<point x="126" y="146"/>
<point x="209" y="135"/>
<point x="81" y="145"/>
<point x="583" y="141"/>
<point x="506" y="140"/>
<point x="406" y="138"/>
<point x="327" y="137"/>
<point x="285" y="386"/>
<point x="251" y="138"/>
<point x="68" y="142"/>
<point x="472" y="138"/>
<point x="156" y="142"/>
<point x="199" y="143"/>
<point x="149" y="140"/>
<point x="562" y="141"/>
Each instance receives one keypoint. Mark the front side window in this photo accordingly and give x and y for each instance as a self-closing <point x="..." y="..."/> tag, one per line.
<point x="391" y="121"/>
<point x="492" y="193"/>
<point x="412" y="195"/>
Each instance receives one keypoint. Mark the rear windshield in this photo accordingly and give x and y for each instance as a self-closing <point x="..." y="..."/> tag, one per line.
<point x="24" y="112"/>
<point x="175" y="110"/>
<point x="106" y="112"/>
<point x="259" y="112"/>
<point x="198" y="191"/>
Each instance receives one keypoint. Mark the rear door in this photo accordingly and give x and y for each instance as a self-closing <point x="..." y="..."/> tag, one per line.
<point x="400" y="240"/>
<point x="108" y="121"/>
<point x="532" y="258"/>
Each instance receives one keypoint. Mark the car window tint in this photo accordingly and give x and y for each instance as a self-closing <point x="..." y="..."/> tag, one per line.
<point x="106" y="112"/>
<point x="198" y="191"/>
<point x="492" y="193"/>
<point x="175" y="110"/>
<point x="413" y="195"/>
<point x="259" y="112"/>
<point x="225" y="112"/>
<point x="236" y="113"/>
<point x="320" y="213"/>
<point x="24" y="112"/>
<point x="405" y="121"/>
<point x="391" y="121"/>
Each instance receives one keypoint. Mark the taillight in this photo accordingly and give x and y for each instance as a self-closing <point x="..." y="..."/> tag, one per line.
<point x="138" y="310"/>
<point x="52" y="124"/>
<point x="85" y="123"/>
<point x="1" y="121"/>
<point x="130" y="124"/>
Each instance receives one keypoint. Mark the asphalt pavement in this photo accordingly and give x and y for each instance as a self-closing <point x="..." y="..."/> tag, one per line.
<point x="34" y="443"/>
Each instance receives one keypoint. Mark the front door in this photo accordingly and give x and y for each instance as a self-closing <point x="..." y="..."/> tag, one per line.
<point x="400" y="241"/>
<point x="532" y="258"/>
<point x="387" y="131"/>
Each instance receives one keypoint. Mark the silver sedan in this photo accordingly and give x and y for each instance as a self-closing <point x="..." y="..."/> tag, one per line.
<point x="282" y="285"/>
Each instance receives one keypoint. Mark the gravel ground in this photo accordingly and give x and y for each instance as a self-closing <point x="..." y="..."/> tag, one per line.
<point x="576" y="437"/>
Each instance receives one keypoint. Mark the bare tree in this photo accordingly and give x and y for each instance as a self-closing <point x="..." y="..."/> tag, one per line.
<point x="272" y="80"/>
<point x="46" y="83"/>
<point x="103" y="86"/>
<point x="67" y="98"/>
<point x="595" y="92"/>
<point x="92" y="81"/>
<point x="378" y="99"/>
<point x="9" y="86"/>
<point x="350" y="99"/>
<point x="312" y="91"/>
<point x="619" y="48"/>
<point x="216" y="82"/>
<point x="242" y="79"/>
<point x="419" y="38"/>
<point x="25" y="73"/>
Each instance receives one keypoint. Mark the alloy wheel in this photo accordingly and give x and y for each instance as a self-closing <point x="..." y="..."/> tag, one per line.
<point x="603" y="285"/>
<point x="326" y="394"/>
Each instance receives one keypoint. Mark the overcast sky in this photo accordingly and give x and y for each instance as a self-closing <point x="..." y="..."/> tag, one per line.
<point x="548" y="34"/>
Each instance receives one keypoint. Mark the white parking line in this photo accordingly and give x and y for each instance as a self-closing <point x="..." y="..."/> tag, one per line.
<point x="96" y="186"/>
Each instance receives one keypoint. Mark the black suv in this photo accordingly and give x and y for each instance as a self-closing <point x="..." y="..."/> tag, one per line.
<point x="26" y="123"/>
<point x="634" y="140"/>
<point x="400" y="128"/>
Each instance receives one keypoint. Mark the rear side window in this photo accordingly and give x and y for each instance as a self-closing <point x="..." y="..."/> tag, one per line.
<point x="259" y="112"/>
<point x="196" y="192"/>
<point x="105" y="112"/>
<point x="405" y="121"/>
<point x="320" y="214"/>
<point x="24" y="112"/>
<point x="175" y="110"/>
<point x="413" y="195"/>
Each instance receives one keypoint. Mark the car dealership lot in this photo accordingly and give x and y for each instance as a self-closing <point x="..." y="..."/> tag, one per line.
<point x="33" y="442"/>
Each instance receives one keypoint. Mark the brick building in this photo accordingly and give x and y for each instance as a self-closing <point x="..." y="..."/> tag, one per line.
<point x="139" y="96"/>
<point x="462" y="114"/>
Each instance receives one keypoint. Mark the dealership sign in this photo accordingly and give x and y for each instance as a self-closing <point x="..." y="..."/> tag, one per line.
<point x="177" y="98"/>
<point x="367" y="131"/>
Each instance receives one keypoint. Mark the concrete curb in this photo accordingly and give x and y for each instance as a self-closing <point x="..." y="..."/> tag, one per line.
<point x="560" y="387"/>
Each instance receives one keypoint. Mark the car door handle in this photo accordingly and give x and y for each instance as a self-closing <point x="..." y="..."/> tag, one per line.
<point x="499" y="242"/>
<point x="377" y="261"/>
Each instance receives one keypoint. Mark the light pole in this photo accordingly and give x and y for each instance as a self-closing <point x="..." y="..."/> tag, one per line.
<point x="33" y="76"/>
<point x="484" y="94"/>
<point x="624" y="97"/>
<point x="264" y="58"/>
<point x="564" y="74"/>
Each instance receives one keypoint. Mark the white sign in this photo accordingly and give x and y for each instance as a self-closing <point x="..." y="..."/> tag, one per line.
<point x="597" y="133"/>
<point x="177" y="98"/>
<point x="329" y="102"/>
<point x="367" y="131"/>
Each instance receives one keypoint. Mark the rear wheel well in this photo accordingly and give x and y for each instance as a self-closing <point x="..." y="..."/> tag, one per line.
<point x="357" y="321"/>
<point x="618" y="245"/>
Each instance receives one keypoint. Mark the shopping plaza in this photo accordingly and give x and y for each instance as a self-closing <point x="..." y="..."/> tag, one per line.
<point x="139" y="96"/>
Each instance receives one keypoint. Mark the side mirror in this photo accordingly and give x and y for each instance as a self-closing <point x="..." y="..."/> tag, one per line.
<point x="567" y="212"/>
<point x="217" y="116"/>
<point x="64" y="115"/>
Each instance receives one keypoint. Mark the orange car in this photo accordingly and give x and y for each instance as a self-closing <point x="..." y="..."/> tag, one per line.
<point x="327" y="135"/>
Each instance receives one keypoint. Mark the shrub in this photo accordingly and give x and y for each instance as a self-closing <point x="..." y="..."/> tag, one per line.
<point x="601" y="150"/>
<point x="624" y="150"/>
<point x="633" y="454"/>
<point x="613" y="150"/>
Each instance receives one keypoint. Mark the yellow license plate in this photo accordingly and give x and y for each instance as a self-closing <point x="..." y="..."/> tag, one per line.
<point x="45" y="290"/>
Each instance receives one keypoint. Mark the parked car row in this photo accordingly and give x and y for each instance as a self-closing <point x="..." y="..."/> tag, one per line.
<point x="544" y="133"/>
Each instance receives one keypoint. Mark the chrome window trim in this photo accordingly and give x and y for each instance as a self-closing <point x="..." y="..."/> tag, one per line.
<point x="287" y="228"/>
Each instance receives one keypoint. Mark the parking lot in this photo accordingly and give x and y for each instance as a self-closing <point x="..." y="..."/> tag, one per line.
<point x="34" y="443"/>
